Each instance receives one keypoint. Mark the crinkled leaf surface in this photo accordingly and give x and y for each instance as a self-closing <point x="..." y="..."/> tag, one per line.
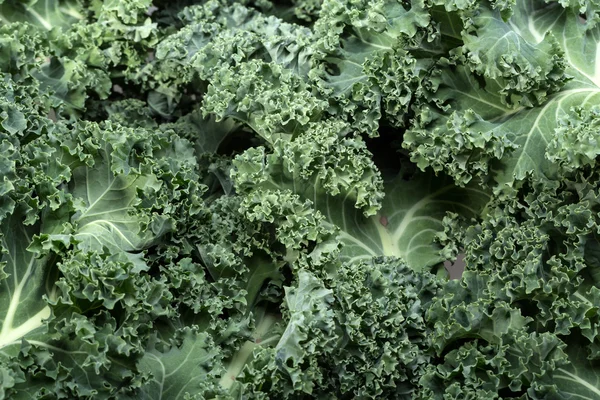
<point x="211" y="200"/>
<point x="47" y="14"/>
<point x="520" y="78"/>
<point x="406" y="223"/>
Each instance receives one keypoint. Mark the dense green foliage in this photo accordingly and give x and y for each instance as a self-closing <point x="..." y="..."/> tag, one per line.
<point x="256" y="199"/>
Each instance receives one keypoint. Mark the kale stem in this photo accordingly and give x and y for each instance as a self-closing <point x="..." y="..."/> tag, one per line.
<point x="241" y="357"/>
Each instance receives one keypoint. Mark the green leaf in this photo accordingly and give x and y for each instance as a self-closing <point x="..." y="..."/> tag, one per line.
<point x="25" y="280"/>
<point x="339" y="179"/>
<point x="107" y="187"/>
<point x="47" y="14"/>
<point x="408" y="221"/>
<point x="104" y="217"/>
<point x="581" y="378"/>
<point x="361" y="65"/>
<point x="13" y="120"/>
<point x="270" y="99"/>
<point x="183" y="369"/>
<point x="311" y="320"/>
<point x="68" y="81"/>
<point x="520" y="78"/>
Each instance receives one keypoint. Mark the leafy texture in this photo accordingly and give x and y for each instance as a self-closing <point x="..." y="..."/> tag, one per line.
<point x="256" y="199"/>
<point x="340" y="181"/>
<point x="507" y="89"/>
<point x="367" y="334"/>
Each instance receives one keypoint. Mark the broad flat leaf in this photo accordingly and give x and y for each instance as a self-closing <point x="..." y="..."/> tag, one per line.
<point x="181" y="370"/>
<point x="581" y="379"/>
<point x="408" y="221"/>
<point x="23" y="281"/>
<point x="47" y="14"/>
<point x="105" y="215"/>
